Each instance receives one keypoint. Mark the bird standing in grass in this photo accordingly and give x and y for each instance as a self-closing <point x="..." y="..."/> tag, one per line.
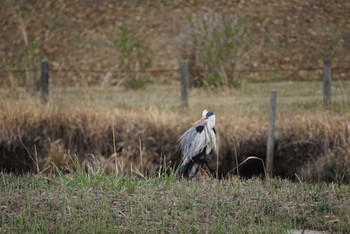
<point x="197" y="144"/>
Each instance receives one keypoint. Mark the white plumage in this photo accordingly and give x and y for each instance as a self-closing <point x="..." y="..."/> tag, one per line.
<point x="197" y="144"/>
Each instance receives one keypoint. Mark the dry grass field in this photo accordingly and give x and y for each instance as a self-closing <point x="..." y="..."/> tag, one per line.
<point x="136" y="131"/>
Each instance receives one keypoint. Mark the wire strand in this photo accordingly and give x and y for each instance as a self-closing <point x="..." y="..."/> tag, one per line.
<point x="177" y="70"/>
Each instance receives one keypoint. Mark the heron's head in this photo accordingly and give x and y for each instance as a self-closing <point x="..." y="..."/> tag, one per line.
<point x="207" y="116"/>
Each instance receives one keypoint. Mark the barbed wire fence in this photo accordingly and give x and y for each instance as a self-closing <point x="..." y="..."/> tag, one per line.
<point x="183" y="71"/>
<point x="165" y="70"/>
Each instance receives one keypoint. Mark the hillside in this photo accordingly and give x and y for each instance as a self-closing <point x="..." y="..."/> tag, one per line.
<point x="77" y="35"/>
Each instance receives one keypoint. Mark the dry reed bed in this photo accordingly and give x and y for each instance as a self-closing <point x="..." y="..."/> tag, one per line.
<point x="308" y="146"/>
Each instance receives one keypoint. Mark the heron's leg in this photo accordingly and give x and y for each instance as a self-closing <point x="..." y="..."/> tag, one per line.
<point x="200" y="169"/>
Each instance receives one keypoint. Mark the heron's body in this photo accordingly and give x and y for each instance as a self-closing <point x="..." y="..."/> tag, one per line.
<point x="197" y="144"/>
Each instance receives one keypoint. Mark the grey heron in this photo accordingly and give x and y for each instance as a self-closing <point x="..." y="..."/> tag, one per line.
<point x="197" y="144"/>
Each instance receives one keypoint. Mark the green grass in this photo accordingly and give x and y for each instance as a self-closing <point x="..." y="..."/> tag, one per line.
<point x="83" y="202"/>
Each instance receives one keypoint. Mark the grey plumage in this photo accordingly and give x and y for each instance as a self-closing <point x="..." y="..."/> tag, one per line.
<point x="197" y="143"/>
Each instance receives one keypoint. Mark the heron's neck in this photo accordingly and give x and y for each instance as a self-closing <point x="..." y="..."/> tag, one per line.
<point x="211" y="123"/>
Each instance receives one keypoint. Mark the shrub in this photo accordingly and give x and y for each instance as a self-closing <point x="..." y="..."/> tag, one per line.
<point x="133" y="54"/>
<point x="26" y="61"/>
<point x="216" y="48"/>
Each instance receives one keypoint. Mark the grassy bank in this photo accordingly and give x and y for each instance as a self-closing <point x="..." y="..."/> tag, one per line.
<point x="127" y="131"/>
<point x="95" y="203"/>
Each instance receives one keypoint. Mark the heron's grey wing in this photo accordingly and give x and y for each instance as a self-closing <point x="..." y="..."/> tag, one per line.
<point x="192" y="142"/>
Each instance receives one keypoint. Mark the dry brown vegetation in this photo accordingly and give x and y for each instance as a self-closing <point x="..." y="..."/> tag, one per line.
<point x="139" y="136"/>
<point x="109" y="139"/>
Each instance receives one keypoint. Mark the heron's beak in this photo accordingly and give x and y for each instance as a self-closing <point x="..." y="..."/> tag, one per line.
<point x="199" y="121"/>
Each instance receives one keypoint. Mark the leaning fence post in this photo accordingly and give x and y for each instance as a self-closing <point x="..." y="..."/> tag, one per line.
<point x="44" y="81"/>
<point x="270" y="136"/>
<point x="184" y="82"/>
<point x="327" y="82"/>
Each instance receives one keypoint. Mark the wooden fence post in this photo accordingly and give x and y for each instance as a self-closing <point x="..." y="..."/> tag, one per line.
<point x="270" y="136"/>
<point x="327" y="82"/>
<point x="44" y="82"/>
<point x="184" y="83"/>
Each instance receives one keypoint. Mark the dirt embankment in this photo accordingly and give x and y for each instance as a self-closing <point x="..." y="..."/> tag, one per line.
<point x="123" y="142"/>
<point x="78" y="35"/>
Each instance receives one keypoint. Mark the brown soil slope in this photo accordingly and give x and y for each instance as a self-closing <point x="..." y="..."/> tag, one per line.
<point x="79" y="34"/>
